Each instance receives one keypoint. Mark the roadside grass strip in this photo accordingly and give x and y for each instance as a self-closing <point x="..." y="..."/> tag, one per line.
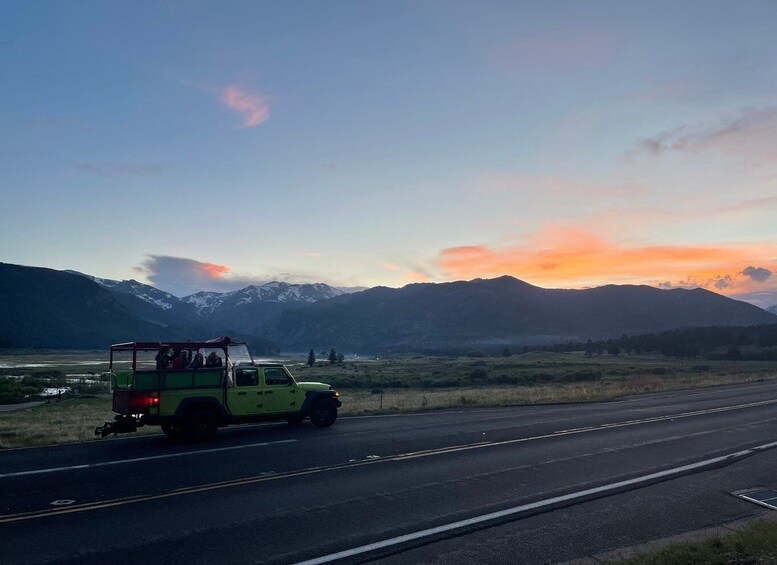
<point x="755" y="544"/>
<point x="264" y="477"/>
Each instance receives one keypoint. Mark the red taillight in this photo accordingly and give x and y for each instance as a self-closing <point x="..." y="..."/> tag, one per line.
<point x="153" y="401"/>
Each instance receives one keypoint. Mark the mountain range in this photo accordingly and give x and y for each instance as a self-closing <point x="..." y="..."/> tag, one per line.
<point x="243" y="311"/>
<point x="47" y="308"/>
<point x="504" y="310"/>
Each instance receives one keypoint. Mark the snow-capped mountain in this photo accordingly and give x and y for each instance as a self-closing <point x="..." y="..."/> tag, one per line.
<point x="243" y="310"/>
<point x="248" y="308"/>
<point x="107" y="283"/>
<point x="772" y="309"/>
<point x="285" y="292"/>
<point x="206" y="303"/>
<point x="145" y="292"/>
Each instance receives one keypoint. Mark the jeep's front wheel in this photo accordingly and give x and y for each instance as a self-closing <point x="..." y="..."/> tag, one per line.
<point x="324" y="414"/>
<point x="200" y="425"/>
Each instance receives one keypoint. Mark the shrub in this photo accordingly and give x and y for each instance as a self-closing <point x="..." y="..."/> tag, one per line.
<point x="579" y="376"/>
<point x="446" y="383"/>
<point x="507" y="379"/>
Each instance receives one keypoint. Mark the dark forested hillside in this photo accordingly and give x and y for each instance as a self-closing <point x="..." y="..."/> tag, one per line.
<point x="424" y="317"/>
<point x="47" y="308"/>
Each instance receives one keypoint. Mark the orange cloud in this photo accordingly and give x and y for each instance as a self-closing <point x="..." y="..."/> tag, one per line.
<point x="214" y="270"/>
<point x="572" y="257"/>
<point x="254" y="108"/>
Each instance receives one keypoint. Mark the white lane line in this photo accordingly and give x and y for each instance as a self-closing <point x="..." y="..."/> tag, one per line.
<point x="138" y="459"/>
<point x="517" y="510"/>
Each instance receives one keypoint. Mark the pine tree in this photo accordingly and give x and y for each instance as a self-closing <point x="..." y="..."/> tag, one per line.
<point x="311" y="358"/>
<point x="332" y="356"/>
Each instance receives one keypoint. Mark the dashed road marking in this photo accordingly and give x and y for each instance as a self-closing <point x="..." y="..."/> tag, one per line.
<point x="138" y="459"/>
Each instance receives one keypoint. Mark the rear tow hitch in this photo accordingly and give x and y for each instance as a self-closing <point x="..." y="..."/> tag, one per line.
<point x="120" y="425"/>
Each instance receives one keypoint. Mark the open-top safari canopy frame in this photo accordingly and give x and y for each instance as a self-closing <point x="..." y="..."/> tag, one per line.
<point x="222" y="343"/>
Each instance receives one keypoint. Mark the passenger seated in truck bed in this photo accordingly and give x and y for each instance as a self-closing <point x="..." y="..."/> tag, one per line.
<point x="213" y="360"/>
<point x="197" y="362"/>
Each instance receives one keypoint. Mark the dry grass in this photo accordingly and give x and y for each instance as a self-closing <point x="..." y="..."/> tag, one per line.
<point x="404" y="400"/>
<point x="754" y="545"/>
<point x="63" y="421"/>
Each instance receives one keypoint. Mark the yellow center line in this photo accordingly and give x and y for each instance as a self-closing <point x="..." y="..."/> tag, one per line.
<point x="265" y="477"/>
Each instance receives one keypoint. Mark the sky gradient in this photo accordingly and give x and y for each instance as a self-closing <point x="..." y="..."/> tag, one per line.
<point x="209" y="145"/>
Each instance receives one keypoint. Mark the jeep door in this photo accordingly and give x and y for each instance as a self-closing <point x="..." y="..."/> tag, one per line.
<point x="246" y="398"/>
<point x="280" y="392"/>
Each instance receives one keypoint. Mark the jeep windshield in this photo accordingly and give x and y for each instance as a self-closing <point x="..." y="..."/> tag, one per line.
<point x="238" y="353"/>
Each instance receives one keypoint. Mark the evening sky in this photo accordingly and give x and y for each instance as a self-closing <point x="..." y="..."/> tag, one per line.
<point x="569" y="144"/>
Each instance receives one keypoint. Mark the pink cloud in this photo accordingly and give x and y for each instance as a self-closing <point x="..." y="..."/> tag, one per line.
<point x="253" y="108"/>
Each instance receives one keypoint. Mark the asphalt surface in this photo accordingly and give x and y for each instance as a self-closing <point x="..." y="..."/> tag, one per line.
<point x="277" y="494"/>
<point x="20" y="406"/>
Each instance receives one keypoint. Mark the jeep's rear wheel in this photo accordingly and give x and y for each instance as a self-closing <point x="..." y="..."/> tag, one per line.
<point x="200" y="425"/>
<point x="324" y="414"/>
<point x="173" y="431"/>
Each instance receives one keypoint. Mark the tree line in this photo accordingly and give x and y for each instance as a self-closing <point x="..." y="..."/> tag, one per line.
<point x="710" y="342"/>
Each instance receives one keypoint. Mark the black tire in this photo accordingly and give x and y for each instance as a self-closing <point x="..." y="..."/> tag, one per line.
<point x="173" y="431"/>
<point x="200" y="425"/>
<point x="295" y="420"/>
<point x="324" y="414"/>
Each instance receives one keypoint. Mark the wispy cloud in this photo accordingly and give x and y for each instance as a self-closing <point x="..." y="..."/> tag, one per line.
<point x="253" y="108"/>
<point x="416" y="276"/>
<point x="751" y="134"/>
<point x="558" y="49"/>
<point x="121" y="169"/>
<point x="573" y="257"/>
<point x="412" y="271"/>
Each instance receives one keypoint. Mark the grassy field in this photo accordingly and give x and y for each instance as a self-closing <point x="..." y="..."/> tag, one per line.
<point x="756" y="544"/>
<point x="401" y="384"/>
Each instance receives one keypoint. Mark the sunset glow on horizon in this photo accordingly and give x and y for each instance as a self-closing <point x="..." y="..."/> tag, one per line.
<point x="566" y="144"/>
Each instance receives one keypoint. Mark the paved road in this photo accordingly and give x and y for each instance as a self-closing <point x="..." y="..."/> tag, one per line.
<point x="272" y="493"/>
<point x="20" y="406"/>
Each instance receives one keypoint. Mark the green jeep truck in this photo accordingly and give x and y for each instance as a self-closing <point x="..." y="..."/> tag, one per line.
<point x="192" y="403"/>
